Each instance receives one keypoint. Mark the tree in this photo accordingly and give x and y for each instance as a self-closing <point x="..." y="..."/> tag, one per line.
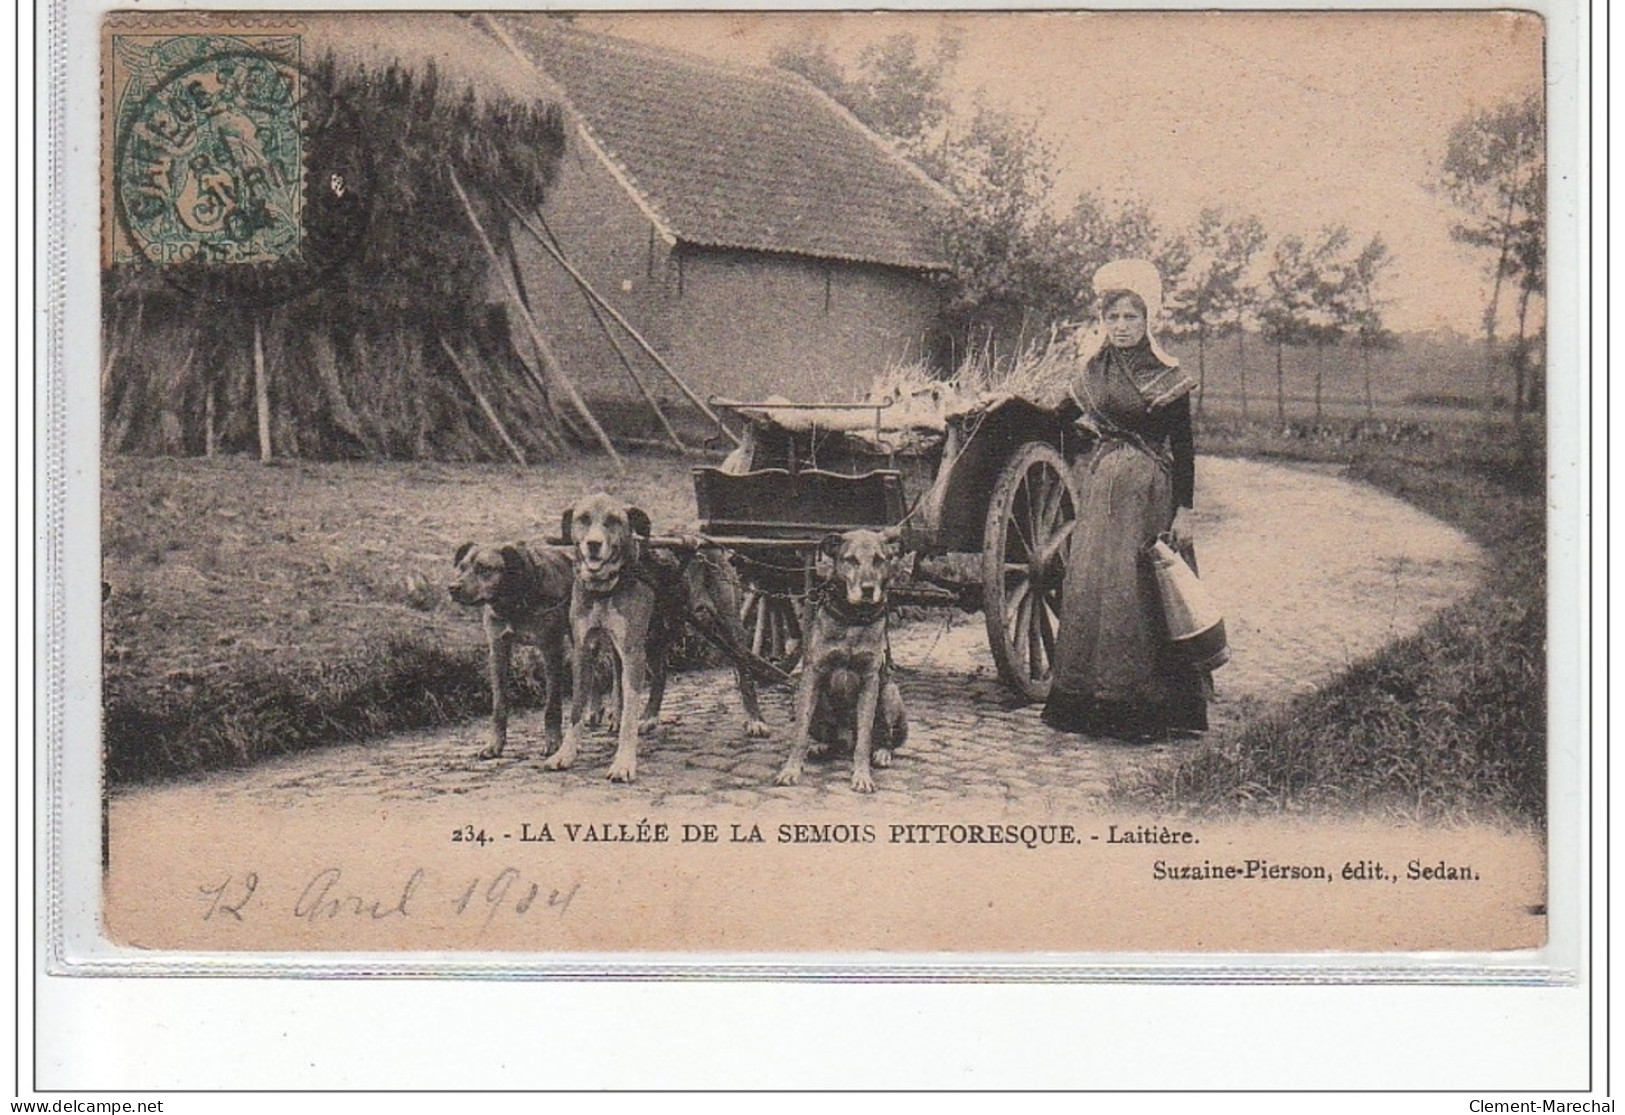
<point x="812" y="60"/>
<point x="1528" y="265"/>
<point x="1001" y="238"/>
<point x="903" y="90"/>
<point x="1017" y="269"/>
<point x="1327" y="285"/>
<point x="894" y="88"/>
<point x="1360" y="310"/>
<point x="1304" y="287"/>
<point x="1097" y="231"/>
<point x="1281" y="311"/>
<point x="1284" y="310"/>
<point x="1212" y="297"/>
<point x="1494" y="171"/>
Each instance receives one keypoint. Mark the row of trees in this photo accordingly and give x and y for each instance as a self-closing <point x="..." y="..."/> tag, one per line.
<point x="1494" y="173"/>
<point x="1021" y="264"/>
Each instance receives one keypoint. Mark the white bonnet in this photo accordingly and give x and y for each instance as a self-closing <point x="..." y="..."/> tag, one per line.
<point x="1141" y="277"/>
<point x="1137" y="275"/>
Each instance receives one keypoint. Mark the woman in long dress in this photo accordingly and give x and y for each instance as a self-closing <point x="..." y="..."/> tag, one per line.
<point x="1114" y="673"/>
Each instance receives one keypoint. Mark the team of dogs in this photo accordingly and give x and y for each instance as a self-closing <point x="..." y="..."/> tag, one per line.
<point x="609" y="605"/>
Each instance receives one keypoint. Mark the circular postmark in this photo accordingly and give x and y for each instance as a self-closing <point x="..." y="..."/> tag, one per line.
<point x="238" y="174"/>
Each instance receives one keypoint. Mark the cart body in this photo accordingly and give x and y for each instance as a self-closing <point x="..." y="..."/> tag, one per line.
<point x="982" y="492"/>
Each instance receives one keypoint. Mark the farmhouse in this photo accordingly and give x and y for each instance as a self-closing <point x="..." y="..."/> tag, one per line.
<point x="759" y="237"/>
<point x="473" y="177"/>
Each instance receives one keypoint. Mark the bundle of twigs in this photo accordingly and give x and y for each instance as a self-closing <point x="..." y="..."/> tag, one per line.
<point x="1039" y="373"/>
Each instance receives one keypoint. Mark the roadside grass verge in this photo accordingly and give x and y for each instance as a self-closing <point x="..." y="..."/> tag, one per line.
<point x="1449" y="724"/>
<point x="259" y="711"/>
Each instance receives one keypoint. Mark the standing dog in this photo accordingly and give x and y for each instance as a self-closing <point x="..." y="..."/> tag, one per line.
<point x="845" y="673"/>
<point x="525" y="593"/>
<point x="631" y="602"/>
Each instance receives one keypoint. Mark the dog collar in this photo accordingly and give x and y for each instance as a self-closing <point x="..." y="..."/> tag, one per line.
<point x="539" y="614"/>
<point x="595" y="585"/>
<point x="836" y="603"/>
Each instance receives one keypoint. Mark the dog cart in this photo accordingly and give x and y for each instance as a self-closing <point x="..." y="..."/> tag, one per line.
<point x="981" y="489"/>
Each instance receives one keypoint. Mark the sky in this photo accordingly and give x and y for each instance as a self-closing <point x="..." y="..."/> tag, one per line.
<point x="1302" y="119"/>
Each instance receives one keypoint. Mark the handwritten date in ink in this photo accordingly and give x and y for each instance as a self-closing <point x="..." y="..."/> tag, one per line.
<point x="507" y="891"/>
<point x="230" y="896"/>
<point x="328" y="896"/>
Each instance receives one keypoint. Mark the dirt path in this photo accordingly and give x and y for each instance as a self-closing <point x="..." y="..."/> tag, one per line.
<point x="1313" y="572"/>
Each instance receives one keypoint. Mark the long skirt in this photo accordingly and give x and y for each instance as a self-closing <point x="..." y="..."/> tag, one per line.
<point x="1115" y="674"/>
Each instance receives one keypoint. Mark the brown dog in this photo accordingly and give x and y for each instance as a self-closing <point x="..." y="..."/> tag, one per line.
<point x="525" y="594"/>
<point x="630" y="601"/>
<point x="846" y="685"/>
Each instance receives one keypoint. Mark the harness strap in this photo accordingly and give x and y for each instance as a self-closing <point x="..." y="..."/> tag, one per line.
<point x="826" y="596"/>
<point x="531" y="581"/>
<point x="548" y="612"/>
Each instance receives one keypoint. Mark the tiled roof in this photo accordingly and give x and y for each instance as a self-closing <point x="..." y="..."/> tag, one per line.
<point x="739" y="157"/>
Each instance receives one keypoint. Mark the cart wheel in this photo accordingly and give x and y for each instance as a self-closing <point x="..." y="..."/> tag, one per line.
<point x="1029" y="530"/>
<point x="772" y="626"/>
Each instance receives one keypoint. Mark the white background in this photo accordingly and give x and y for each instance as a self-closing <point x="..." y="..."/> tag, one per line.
<point x="154" y="1035"/>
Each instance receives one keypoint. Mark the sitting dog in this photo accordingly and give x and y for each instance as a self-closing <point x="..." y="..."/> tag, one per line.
<point x="630" y="602"/>
<point x="846" y="687"/>
<point x="525" y="593"/>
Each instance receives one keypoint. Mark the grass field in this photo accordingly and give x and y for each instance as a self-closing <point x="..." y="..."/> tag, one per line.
<point x="1222" y="409"/>
<point x="257" y="610"/>
<point x="1424" y="366"/>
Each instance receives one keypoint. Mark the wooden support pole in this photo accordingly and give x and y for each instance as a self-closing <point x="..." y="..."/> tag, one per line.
<point x="643" y="388"/>
<point x="262" y="391"/>
<point x="210" y="438"/>
<point x="626" y="362"/>
<point x="543" y="349"/>
<point x="550" y="430"/>
<point x="485" y="405"/>
<point x="530" y="226"/>
<point x="116" y="351"/>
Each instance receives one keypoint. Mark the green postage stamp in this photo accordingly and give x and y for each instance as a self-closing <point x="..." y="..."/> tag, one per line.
<point x="208" y="157"/>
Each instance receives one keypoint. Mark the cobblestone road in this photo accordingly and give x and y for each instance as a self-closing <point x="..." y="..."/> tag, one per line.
<point x="1313" y="572"/>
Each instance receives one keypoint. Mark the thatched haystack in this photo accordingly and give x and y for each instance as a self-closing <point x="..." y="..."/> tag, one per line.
<point x="421" y="133"/>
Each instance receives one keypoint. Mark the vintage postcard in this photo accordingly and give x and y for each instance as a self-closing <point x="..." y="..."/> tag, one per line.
<point x="1018" y="485"/>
